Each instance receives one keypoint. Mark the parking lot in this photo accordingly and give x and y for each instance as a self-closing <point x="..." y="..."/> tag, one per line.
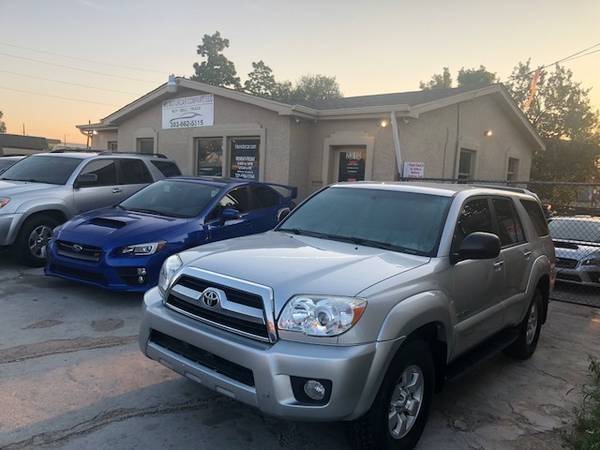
<point x="71" y="376"/>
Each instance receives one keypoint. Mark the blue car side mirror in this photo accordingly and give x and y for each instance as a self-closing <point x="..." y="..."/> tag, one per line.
<point x="230" y="214"/>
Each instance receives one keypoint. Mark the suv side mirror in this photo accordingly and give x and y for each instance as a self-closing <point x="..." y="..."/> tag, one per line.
<point x="86" y="179"/>
<point x="478" y="245"/>
<point x="230" y="214"/>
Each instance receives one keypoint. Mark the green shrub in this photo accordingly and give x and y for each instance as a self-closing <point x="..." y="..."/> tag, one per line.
<point x="586" y="429"/>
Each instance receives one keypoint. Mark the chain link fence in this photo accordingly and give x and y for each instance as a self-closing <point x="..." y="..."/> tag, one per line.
<point x="573" y="213"/>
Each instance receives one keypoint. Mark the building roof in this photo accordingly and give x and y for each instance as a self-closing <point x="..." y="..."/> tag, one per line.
<point x="24" y="142"/>
<point x="411" y="98"/>
<point x="408" y="104"/>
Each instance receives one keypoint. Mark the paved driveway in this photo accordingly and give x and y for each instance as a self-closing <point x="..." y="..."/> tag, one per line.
<point x="71" y="376"/>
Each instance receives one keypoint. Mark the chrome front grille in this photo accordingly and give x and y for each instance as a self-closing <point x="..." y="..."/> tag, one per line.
<point x="233" y="305"/>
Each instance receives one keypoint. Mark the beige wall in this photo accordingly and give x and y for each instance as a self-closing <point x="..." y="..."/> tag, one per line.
<point x="294" y="149"/>
<point x="100" y="140"/>
<point x="232" y="118"/>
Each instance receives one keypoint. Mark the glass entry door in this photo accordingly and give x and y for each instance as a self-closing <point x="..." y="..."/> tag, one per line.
<point x="351" y="164"/>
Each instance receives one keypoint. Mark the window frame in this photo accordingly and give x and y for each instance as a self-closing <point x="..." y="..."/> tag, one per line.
<point x="195" y="142"/>
<point x="496" y="225"/>
<point x="88" y="163"/>
<point x="112" y="146"/>
<point x="121" y="172"/>
<point x="473" y="168"/>
<point x="138" y="145"/>
<point x="522" y="201"/>
<point x="512" y="175"/>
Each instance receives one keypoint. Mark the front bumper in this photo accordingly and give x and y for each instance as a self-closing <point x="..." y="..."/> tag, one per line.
<point x="582" y="275"/>
<point x="108" y="273"/>
<point x="9" y="227"/>
<point x="354" y="371"/>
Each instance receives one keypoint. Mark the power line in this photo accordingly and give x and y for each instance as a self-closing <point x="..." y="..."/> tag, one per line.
<point x="104" y="63"/>
<point x="77" y="68"/>
<point x="585" y="54"/>
<point x="571" y="57"/>
<point x="69" y="83"/>
<point x="57" y="96"/>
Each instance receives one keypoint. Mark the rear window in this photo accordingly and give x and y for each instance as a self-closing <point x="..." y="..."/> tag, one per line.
<point x="134" y="171"/>
<point x="167" y="168"/>
<point x="535" y="213"/>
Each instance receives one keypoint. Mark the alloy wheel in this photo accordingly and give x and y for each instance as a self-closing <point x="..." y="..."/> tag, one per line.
<point x="406" y="401"/>
<point x="38" y="239"/>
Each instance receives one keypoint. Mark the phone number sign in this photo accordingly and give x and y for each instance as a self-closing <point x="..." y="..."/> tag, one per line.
<point x="188" y="112"/>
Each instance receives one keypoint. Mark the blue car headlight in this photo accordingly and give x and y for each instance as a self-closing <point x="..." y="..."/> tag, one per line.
<point x="148" y="248"/>
<point x="595" y="261"/>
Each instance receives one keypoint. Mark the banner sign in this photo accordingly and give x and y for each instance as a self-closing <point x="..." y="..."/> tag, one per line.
<point x="352" y="166"/>
<point x="244" y="158"/>
<point x="188" y="112"/>
<point x="413" y="169"/>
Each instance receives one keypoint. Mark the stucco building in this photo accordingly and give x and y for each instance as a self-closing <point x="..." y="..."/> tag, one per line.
<point x="440" y="133"/>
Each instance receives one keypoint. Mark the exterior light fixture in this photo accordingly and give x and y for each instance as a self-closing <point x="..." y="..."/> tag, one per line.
<point x="95" y="132"/>
<point x="488" y="133"/>
<point x="383" y="123"/>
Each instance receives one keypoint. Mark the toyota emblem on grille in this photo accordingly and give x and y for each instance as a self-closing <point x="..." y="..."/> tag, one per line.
<point x="211" y="297"/>
<point x="77" y="248"/>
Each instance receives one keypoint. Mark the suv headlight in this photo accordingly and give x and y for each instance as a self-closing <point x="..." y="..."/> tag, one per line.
<point x="171" y="265"/>
<point x="316" y="315"/>
<point x="595" y="261"/>
<point x="4" y="201"/>
<point x="143" y="249"/>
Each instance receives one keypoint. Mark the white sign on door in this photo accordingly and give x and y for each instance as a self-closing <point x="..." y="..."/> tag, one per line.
<point x="413" y="169"/>
<point x="188" y="112"/>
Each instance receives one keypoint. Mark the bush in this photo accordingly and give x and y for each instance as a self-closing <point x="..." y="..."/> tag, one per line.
<point x="586" y="429"/>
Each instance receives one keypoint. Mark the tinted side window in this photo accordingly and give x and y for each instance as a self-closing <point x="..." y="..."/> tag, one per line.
<point x="475" y="216"/>
<point x="510" y="230"/>
<point x="167" y="168"/>
<point x="104" y="169"/>
<point x="534" y="210"/>
<point x="264" y="197"/>
<point x="134" y="171"/>
<point x="238" y="199"/>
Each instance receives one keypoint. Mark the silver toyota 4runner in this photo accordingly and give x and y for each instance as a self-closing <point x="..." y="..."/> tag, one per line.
<point x="359" y="304"/>
<point x="44" y="190"/>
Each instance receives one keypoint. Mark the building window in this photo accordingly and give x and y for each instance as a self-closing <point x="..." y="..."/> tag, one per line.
<point x="512" y="171"/>
<point x="111" y="145"/>
<point x="466" y="164"/>
<point x="244" y="158"/>
<point x="209" y="153"/>
<point x="145" y="145"/>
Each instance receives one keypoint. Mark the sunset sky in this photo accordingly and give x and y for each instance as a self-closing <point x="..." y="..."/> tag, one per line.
<point x="370" y="46"/>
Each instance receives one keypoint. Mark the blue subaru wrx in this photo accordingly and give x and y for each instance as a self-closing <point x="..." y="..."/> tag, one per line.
<point x="123" y="247"/>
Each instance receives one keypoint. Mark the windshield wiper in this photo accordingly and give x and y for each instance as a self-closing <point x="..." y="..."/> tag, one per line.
<point x="153" y="211"/>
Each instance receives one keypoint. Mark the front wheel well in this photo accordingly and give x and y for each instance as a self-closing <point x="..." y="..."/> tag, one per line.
<point x="434" y="335"/>
<point x="543" y="285"/>
<point x="56" y="214"/>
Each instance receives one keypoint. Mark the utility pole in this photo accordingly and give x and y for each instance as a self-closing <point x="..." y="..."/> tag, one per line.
<point x="23" y="129"/>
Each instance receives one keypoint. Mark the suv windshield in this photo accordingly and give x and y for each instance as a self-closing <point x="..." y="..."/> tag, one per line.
<point x="42" y="169"/>
<point x="394" y="220"/>
<point x="172" y="198"/>
<point x="575" y="230"/>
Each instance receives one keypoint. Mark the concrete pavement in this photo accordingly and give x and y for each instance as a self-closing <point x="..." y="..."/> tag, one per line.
<point x="71" y="376"/>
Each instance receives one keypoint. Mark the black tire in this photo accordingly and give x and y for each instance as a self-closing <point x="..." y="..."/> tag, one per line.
<point x="524" y="347"/>
<point x="21" y="247"/>
<point x="372" y="430"/>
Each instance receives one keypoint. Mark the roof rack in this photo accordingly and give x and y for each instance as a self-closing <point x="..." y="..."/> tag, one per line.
<point x="504" y="188"/>
<point x="74" y="150"/>
<point x="151" y="155"/>
<point x="13" y="154"/>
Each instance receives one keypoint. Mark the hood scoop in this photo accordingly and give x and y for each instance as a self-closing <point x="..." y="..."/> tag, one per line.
<point x="107" y="223"/>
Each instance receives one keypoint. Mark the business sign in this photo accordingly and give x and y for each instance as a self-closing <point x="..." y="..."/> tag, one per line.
<point x="188" y="112"/>
<point x="413" y="169"/>
<point x="244" y="158"/>
<point x="352" y="166"/>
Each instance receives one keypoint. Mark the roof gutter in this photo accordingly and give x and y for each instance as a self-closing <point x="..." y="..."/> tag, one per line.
<point x="396" y="138"/>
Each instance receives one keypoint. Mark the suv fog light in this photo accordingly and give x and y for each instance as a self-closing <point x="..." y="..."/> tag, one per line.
<point x="141" y="272"/>
<point x="314" y="390"/>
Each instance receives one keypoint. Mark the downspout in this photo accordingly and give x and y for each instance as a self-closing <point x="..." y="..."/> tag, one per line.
<point x="457" y="150"/>
<point x="396" y="138"/>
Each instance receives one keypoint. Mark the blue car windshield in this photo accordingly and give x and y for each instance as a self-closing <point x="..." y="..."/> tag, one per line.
<point x="172" y="198"/>
<point x="399" y="221"/>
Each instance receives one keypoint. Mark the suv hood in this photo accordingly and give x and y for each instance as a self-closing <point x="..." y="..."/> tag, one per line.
<point x="292" y="264"/>
<point x="113" y="227"/>
<point x="9" y="188"/>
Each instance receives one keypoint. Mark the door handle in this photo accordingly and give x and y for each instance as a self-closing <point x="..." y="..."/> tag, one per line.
<point x="116" y="190"/>
<point x="527" y="254"/>
<point x="498" y="265"/>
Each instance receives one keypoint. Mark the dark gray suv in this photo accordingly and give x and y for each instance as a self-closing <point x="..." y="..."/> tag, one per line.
<point x="44" y="190"/>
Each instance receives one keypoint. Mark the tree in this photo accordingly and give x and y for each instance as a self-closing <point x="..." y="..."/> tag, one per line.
<point x="561" y="106"/>
<point x="314" y="88"/>
<point x="443" y="80"/>
<point x="474" y="78"/>
<point x="216" y="70"/>
<point x="2" y="124"/>
<point x="261" y="81"/>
